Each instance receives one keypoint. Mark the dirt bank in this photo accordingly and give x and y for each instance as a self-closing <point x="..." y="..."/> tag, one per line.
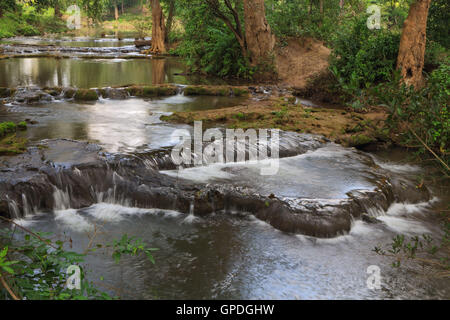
<point x="299" y="59"/>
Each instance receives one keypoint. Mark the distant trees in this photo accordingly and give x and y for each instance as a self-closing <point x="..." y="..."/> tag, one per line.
<point x="6" y="5"/>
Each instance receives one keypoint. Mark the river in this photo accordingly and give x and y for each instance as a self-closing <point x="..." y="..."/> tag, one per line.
<point x="227" y="253"/>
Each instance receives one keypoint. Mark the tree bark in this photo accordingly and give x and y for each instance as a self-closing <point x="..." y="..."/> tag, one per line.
<point x="170" y="19"/>
<point x="158" y="28"/>
<point x="236" y="28"/>
<point x="259" y="38"/>
<point x="411" y="53"/>
<point x="116" y="12"/>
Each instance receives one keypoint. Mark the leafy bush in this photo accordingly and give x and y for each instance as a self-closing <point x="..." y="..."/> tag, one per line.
<point x="438" y="22"/>
<point x="209" y="46"/>
<point x="6" y="128"/>
<point x="33" y="267"/>
<point x="419" y="116"/>
<point x="362" y="56"/>
<point x="26" y="21"/>
<point x="143" y="26"/>
<point x="294" y="18"/>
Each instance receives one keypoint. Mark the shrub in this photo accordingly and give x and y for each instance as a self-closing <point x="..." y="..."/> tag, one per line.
<point x="209" y="46"/>
<point x="362" y="56"/>
<point x="419" y="114"/>
<point x="7" y="127"/>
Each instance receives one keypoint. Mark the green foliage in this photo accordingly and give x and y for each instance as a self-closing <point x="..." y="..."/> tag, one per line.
<point x="131" y="246"/>
<point x="422" y="112"/>
<point x="296" y="18"/>
<point x="7" y="128"/>
<point x="423" y="249"/>
<point x="439" y="22"/>
<point x="29" y="21"/>
<point x="208" y="44"/>
<point x="36" y="266"/>
<point x="362" y="57"/>
<point x="143" y="26"/>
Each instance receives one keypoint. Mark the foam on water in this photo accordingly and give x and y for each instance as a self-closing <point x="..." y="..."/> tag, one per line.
<point x="404" y="226"/>
<point x="403" y="209"/>
<point x="108" y="212"/>
<point x="71" y="219"/>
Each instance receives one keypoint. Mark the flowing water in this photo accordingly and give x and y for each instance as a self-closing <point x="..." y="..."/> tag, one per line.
<point x="223" y="255"/>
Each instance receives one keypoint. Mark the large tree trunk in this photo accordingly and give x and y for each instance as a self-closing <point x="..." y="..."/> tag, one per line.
<point x="259" y="38"/>
<point x="412" y="43"/>
<point x="158" y="28"/>
<point x="57" y="11"/>
<point x="116" y="11"/>
<point x="170" y="19"/>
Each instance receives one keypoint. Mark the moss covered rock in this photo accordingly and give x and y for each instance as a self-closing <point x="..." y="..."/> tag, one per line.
<point x="360" y="140"/>
<point x="86" y="95"/>
<point x="151" y="91"/>
<point x="6" y="92"/>
<point x="69" y="93"/>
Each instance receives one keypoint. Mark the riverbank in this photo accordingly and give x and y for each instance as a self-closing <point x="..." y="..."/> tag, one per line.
<point x="291" y="114"/>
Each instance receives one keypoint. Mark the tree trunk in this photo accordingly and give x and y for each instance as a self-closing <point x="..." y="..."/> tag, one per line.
<point x="121" y="7"/>
<point x="158" y="28"/>
<point x="411" y="53"/>
<point x="57" y="11"/>
<point x="116" y="11"/>
<point x="170" y="19"/>
<point x="259" y="38"/>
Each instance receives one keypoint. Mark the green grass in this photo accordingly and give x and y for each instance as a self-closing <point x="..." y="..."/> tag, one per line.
<point x="28" y="22"/>
<point x="10" y="144"/>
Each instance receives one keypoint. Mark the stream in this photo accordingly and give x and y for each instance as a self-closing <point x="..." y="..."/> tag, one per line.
<point x="224" y="243"/>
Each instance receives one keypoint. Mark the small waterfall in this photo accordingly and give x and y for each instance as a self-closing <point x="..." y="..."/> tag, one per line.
<point x="13" y="208"/>
<point x="180" y="90"/>
<point x="61" y="199"/>
<point x="26" y="207"/>
<point x="191" y="217"/>
<point x="111" y="196"/>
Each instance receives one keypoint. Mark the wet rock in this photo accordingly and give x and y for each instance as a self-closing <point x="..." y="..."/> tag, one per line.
<point x="6" y="92"/>
<point x="369" y="219"/>
<point x="360" y="140"/>
<point x="31" y="95"/>
<point x="151" y="91"/>
<point x="86" y="95"/>
<point x="69" y="93"/>
<point x="114" y="93"/>
<point x="65" y="173"/>
<point x="223" y="91"/>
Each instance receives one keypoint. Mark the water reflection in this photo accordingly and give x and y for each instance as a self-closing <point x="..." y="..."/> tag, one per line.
<point x="87" y="73"/>
<point x="118" y="125"/>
